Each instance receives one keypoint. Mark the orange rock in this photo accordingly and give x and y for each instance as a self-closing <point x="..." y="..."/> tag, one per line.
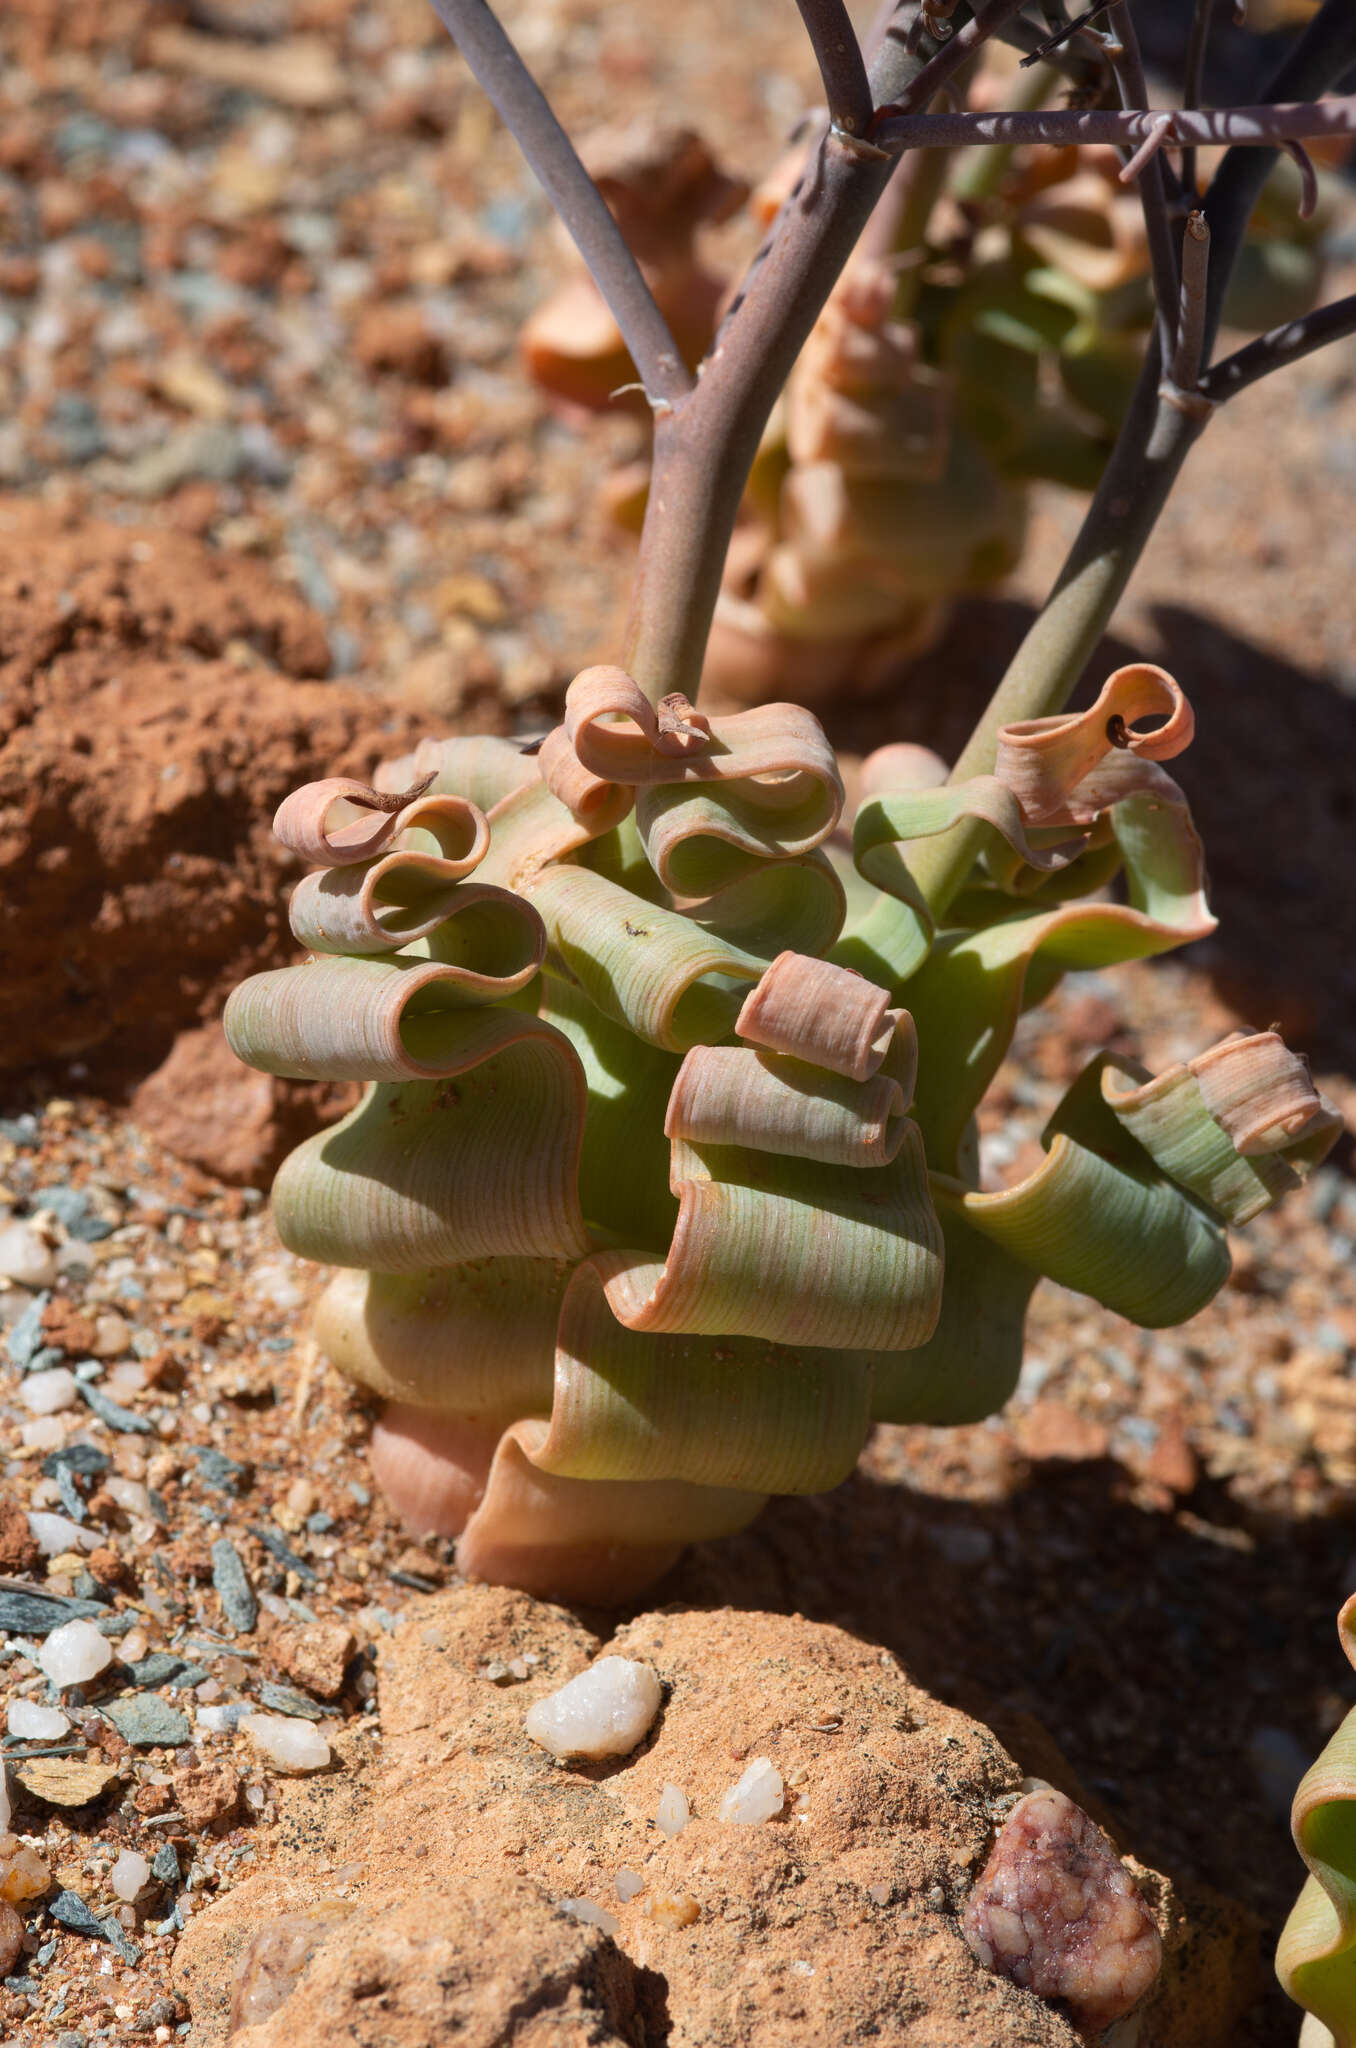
<point x="1049" y="1429"/>
<point x="315" y="1657"/>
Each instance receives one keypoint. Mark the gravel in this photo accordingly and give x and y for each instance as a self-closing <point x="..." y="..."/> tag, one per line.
<point x="231" y="1580"/>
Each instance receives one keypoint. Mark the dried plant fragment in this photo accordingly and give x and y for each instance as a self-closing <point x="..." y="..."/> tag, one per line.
<point x="1056" y="1911"/>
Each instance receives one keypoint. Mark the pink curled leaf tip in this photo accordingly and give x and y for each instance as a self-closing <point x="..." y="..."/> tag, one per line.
<point x="1261" y="1093"/>
<point x="830" y="1017"/>
<point x="1057" y="767"/>
<point x="306" y="821"/>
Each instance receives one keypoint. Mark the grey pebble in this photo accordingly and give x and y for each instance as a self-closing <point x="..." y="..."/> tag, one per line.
<point x="25" y="1338"/>
<point x="208" y="448"/>
<point x="162" y="1667"/>
<point x="165" y="1864"/>
<point x="24" y="1610"/>
<point x="112" y="1624"/>
<point x="115" y="1934"/>
<point x="112" y="1415"/>
<point x="70" y="1910"/>
<point x="274" y="1544"/>
<point x="147" y="1721"/>
<point x="283" y="1699"/>
<point x="86" y="1459"/>
<point x="233" y="1586"/>
<point x="74" y="1211"/>
<point x="227" y="1475"/>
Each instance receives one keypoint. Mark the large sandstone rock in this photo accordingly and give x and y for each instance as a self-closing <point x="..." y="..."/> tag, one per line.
<point x="440" y="1919"/>
<point x="153" y="712"/>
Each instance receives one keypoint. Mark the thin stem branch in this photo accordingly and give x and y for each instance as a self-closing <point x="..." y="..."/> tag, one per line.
<point x="841" y="64"/>
<point x="1324" y="54"/>
<point x="1186" y="360"/>
<point x="704" y="449"/>
<point x="1154" y="442"/>
<point x="1193" y="80"/>
<point x="1146" y="165"/>
<point x="518" y="100"/>
<point x="957" y="50"/>
<point x="1155" y="438"/>
<point x="1282" y="345"/>
<point x="1260" y="127"/>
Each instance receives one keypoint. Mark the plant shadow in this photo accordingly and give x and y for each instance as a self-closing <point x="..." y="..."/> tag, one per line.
<point x="1186" y="1664"/>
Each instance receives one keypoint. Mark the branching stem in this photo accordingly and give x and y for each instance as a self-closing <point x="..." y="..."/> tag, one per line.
<point x="518" y="100"/>
<point x="1266" y="127"/>
<point x="841" y="65"/>
<point x="1282" y="345"/>
<point x="1147" y="166"/>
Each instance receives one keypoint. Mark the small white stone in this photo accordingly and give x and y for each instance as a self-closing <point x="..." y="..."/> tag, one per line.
<point x="32" y="1723"/>
<point x="55" y="1534"/>
<point x="673" y="1812"/>
<point x="629" y="1884"/>
<point x="294" y="1747"/>
<point x="127" y="1378"/>
<point x="758" y="1796"/>
<point x="591" y="1915"/>
<point x="43" y="1433"/>
<point x="24" y="1258"/>
<point x="130" y="1494"/>
<point x="45" y="1393"/>
<point x="74" y="1653"/>
<point x="112" y="1335"/>
<point x="606" y="1711"/>
<point x="129" y="1875"/>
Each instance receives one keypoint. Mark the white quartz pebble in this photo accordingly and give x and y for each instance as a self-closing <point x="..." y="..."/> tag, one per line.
<point x="130" y="1494"/>
<point x="32" y="1723"/>
<point x="74" y="1653"/>
<point x="129" y="1875"/>
<point x="44" y="1393"/>
<point x="54" y="1534"/>
<point x="43" y="1433"/>
<point x="606" y="1711"/>
<point x="291" y="1746"/>
<point x="629" y="1883"/>
<point x="24" y="1258"/>
<point x="758" y="1796"/>
<point x="590" y="1914"/>
<point x="673" y="1812"/>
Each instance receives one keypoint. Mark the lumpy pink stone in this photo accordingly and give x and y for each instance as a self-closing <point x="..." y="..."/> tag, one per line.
<point x="1056" y="1910"/>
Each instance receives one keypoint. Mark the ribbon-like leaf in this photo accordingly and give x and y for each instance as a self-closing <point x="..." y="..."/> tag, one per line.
<point x="1239" y="1126"/>
<point x="1316" y="1955"/>
<point x="718" y="1411"/>
<point x="969" y="993"/>
<point x="970" y="1365"/>
<point x="567" y="1538"/>
<point x="378" y="905"/>
<point x="480" y="1163"/>
<point x="476" y="1340"/>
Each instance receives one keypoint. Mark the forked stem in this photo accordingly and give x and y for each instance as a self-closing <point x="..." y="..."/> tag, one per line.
<point x="522" y="107"/>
